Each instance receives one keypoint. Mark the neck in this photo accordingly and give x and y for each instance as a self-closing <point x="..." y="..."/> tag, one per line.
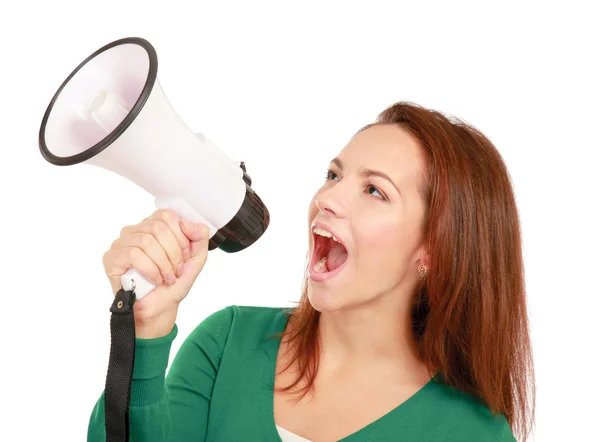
<point x="375" y="335"/>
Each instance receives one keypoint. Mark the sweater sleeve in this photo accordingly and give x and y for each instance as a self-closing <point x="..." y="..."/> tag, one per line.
<point x="173" y="407"/>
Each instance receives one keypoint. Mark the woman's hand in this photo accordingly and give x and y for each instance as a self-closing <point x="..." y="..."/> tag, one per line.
<point x="167" y="251"/>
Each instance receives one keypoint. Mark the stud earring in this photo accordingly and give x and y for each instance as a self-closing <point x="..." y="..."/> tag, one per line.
<point x="423" y="270"/>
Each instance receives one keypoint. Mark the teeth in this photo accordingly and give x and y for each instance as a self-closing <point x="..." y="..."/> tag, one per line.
<point x="321" y="266"/>
<point x="325" y="233"/>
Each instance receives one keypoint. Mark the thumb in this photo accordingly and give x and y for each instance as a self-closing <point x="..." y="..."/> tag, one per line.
<point x="197" y="233"/>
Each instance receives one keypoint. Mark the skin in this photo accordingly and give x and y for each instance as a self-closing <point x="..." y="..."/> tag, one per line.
<point x="367" y="351"/>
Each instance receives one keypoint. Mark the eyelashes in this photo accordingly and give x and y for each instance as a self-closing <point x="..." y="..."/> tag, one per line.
<point x="331" y="175"/>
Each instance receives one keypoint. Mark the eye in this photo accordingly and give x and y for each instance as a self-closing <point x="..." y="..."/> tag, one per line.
<point x="330" y="175"/>
<point x="371" y="187"/>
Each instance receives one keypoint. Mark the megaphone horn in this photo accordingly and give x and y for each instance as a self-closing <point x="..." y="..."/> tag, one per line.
<point x="111" y="112"/>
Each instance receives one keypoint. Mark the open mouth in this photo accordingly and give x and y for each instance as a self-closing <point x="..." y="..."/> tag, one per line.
<point x="329" y="254"/>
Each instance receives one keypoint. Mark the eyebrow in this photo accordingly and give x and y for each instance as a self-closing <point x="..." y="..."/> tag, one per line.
<point x="368" y="173"/>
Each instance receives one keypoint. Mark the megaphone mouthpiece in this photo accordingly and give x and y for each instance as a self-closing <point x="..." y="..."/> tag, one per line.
<point x="107" y="109"/>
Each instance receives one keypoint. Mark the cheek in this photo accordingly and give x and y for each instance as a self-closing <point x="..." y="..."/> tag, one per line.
<point x="312" y="211"/>
<point x="312" y="208"/>
<point x="382" y="248"/>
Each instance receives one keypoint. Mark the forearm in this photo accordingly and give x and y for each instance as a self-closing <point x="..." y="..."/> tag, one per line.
<point x="174" y="407"/>
<point x="150" y="422"/>
<point x="149" y="414"/>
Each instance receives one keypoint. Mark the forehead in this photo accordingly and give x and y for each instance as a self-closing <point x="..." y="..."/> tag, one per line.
<point x="388" y="148"/>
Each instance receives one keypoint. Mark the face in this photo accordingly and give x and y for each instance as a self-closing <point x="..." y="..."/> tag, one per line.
<point x="377" y="222"/>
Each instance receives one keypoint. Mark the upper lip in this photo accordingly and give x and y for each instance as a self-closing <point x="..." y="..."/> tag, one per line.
<point x="327" y="227"/>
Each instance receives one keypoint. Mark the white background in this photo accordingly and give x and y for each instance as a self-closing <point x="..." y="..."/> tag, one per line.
<point x="266" y="80"/>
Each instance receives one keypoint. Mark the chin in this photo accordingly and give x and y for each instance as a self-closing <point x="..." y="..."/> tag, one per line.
<point x="324" y="301"/>
<point x="329" y="299"/>
<point x="350" y="296"/>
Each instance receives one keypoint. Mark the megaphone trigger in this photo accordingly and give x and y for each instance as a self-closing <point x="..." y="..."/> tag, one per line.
<point x="246" y="177"/>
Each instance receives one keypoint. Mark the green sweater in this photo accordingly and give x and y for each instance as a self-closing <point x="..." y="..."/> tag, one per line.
<point x="220" y="389"/>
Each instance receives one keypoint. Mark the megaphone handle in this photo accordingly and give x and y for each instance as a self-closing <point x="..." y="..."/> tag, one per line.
<point x="134" y="281"/>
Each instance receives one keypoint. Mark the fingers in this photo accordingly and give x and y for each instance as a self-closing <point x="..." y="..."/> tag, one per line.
<point x="172" y="220"/>
<point x="162" y="239"/>
<point x="196" y="233"/>
<point x="158" y="248"/>
<point x="118" y="261"/>
<point x="159" y="251"/>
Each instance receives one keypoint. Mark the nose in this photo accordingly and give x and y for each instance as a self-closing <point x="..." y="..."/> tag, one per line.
<point x="329" y="204"/>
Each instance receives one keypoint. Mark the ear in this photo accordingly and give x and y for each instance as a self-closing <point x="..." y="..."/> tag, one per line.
<point x="423" y="257"/>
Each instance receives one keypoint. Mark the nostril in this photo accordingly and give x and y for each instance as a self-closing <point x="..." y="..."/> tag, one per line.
<point x="326" y="207"/>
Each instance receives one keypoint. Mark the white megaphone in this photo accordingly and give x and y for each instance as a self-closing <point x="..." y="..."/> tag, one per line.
<point x="111" y="112"/>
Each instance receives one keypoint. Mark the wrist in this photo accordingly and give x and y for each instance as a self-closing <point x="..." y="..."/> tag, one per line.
<point x="155" y="327"/>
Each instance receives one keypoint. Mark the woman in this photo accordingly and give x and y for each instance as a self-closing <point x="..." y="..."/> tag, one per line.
<point x="412" y="324"/>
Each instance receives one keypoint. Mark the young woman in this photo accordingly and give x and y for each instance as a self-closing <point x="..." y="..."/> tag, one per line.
<point x="412" y="324"/>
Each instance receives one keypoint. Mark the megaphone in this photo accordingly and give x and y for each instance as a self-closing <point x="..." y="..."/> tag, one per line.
<point x="111" y="112"/>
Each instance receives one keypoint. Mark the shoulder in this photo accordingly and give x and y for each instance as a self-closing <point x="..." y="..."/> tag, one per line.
<point x="241" y="322"/>
<point x="241" y="315"/>
<point x="466" y="417"/>
<point x="233" y="330"/>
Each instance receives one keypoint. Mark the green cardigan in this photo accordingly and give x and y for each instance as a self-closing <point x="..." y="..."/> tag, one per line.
<point x="220" y="389"/>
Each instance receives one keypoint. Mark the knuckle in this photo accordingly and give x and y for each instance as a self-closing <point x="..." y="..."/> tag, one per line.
<point x="147" y="240"/>
<point x="158" y="228"/>
<point x="166" y="214"/>
<point x="133" y="253"/>
<point x="105" y="258"/>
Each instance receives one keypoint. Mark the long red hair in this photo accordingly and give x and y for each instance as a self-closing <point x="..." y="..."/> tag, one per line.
<point x="469" y="313"/>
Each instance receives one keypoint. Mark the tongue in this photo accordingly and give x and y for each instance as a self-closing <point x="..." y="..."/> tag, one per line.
<point x="336" y="257"/>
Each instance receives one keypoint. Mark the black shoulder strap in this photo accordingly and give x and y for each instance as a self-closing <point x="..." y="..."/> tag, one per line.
<point x="117" y="391"/>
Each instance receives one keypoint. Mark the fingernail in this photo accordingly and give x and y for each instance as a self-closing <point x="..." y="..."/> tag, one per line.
<point x="172" y="278"/>
<point x="180" y="269"/>
<point x="159" y="280"/>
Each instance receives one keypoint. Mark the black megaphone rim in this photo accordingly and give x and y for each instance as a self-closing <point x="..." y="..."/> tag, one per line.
<point x="122" y="127"/>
